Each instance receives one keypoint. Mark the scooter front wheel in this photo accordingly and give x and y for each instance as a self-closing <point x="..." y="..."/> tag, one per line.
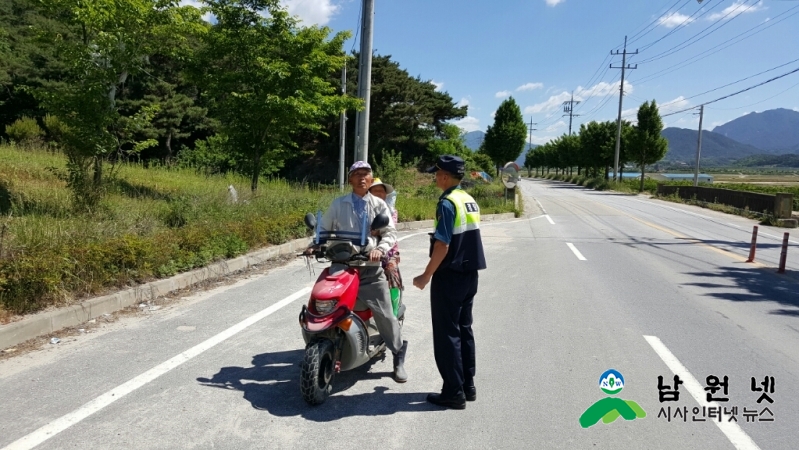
<point x="318" y="368"/>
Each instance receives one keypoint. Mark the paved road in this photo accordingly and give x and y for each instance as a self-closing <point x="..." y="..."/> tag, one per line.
<point x="646" y="287"/>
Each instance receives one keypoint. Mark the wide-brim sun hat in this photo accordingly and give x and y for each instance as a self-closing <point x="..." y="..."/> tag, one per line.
<point x="389" y="188"/>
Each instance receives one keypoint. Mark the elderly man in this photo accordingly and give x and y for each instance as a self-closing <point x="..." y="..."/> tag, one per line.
<point x="346" y="214"/>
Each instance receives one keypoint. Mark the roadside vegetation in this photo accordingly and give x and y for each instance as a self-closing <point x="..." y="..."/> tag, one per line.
<point x="157" y="221"/>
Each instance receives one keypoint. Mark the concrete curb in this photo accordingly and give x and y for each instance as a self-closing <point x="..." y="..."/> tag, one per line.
<point x="70" y="316"/>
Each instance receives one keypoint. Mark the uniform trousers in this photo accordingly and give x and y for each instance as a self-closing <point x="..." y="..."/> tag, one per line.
<point x="451" y="299"/>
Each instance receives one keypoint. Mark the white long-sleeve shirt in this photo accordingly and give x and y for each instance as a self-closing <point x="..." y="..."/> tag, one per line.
<point x="342" y="216"/>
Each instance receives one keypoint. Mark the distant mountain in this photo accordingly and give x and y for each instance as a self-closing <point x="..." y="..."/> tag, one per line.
<point x="474" y="139"/>
<point x="716" y="148"/>
<point x="775" y="130"/>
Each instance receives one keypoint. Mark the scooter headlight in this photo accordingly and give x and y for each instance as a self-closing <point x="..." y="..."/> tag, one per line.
<point x="325" y="306"/>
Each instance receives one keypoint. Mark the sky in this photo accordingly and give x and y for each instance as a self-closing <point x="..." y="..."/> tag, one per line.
<point x="541" y="52"/>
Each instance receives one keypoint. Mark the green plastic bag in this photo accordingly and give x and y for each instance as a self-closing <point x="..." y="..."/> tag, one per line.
<point x="395" y="300"/>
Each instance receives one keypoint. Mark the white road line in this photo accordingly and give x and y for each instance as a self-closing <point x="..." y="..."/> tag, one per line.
<point x="541" y="206"/>
<point x="576" y="252"/>
<point x="409" y="236"/>
<point x="550" y="219"/>
<point x="53" y="428"/>
<point x="732" y="430"/>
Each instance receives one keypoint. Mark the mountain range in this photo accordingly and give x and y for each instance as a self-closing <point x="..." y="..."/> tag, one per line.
<point x="775" y="130"/>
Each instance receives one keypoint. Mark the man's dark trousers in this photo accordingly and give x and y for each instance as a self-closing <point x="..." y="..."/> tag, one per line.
<point x="451" y="299"/>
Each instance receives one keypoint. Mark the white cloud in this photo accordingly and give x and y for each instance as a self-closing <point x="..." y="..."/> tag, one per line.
<point x="796" y="108"/>
<point x="630" y="115"/>
<point x="312" y="12"/>
<point x="675" y="20"/>
<point x="530" y="87"/>
<point x="554" y="2"/>
<point x="540" y="140"/>
<point x="555" y="127"/>
<point x="464" y="102"/>
<point x="734" y="10"/>
<point x="493" y="113"/>
<point x="580" y="94"/>
<point x="439" y="86"/>
<point x="674" y="105"/>
<point x="502" y="94"/>
<point x="468" y="123"/>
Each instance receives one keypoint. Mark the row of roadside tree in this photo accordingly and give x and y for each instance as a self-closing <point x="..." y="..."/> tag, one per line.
<point x="593" y="149"/>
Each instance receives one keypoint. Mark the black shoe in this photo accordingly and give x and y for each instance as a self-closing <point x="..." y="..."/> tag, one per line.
<point x="470" y="392"/>
<point x="457" y="402"/>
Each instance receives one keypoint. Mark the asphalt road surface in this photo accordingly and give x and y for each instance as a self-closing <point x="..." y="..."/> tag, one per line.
<point x="587" y="282"/>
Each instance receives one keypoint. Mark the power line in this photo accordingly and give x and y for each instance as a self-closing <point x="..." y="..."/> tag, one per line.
<point x="726" y="44"/>
<point x="734" y="82"/>
<point x="687" y="43"/>
<point x="657" y="21"/>
<point x="756" y="103"/>
<point x="685" y="22"/>
<point x="736" y="93"/>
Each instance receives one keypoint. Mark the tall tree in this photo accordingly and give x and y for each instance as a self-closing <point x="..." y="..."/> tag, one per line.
<point x="268" y="79"/>
<point x="505" y="140"/>
<point x="112" y="40"/>
<point x="649" y="146"/>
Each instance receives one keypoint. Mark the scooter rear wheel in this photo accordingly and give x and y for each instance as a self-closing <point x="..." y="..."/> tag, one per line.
<point x="318" y="368"/>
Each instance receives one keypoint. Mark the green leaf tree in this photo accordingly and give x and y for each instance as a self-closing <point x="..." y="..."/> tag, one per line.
<point x="648" y="145"/>
<point x="111" y="41"/>
<point x="505" y="139"/>
<point x="268" y="78"/>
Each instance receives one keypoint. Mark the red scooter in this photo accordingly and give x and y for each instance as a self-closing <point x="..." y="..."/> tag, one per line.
<point x="337" y="337"/>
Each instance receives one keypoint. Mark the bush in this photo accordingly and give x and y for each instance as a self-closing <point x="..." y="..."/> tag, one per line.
<point x="25" y="131"/>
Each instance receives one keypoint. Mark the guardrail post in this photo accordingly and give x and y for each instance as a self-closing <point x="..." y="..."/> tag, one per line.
<point x="753" y="246"/>
<point x="784" y="254"/>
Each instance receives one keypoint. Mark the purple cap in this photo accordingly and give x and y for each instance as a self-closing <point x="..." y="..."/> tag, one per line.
<point x="360" y="165"/>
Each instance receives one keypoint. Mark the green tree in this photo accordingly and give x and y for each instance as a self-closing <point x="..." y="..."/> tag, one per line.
<point x="112" y="40"/>
<point x="268" y="79"/>
<point x="648" y="145"/>
<point x="505" y="140"/>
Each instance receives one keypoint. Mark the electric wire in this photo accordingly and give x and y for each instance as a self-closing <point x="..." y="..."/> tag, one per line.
<point x="720" y="23"/>
<point x="682" y="24"/>
<point x="737" y="93"/>
<point x="657" y="21"/>
<point x="763" y="26"/>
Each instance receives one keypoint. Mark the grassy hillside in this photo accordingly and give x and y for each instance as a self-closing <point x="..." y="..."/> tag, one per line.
<point x="154" y="222"/>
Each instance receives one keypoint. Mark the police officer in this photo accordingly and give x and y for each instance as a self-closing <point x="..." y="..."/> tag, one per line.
<point x="456" y="254"/>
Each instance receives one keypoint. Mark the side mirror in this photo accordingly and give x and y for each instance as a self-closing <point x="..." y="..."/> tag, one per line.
<point x="381" y="221"/>
<point x="310" y="221"/>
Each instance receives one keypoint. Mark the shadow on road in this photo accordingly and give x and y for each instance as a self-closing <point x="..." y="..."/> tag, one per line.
<point x="273" y="384"/>
<point x="752" y="285"/>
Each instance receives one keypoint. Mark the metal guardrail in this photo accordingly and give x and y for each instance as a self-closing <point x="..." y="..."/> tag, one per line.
<point x="776" y="205"/>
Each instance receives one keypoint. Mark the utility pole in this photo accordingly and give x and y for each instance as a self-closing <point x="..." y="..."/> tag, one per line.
<point x="624" y="66"/>
<point x="530" y="143"/>
<point x="698" y="145"/>
<point x="365" y="81"/>
<point x="342" y="131"/>
<point x="568" y="109"/>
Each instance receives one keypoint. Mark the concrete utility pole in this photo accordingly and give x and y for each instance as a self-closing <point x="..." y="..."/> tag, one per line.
<point x="624" y="66"/>
<point x="365" y="81"/>
<point x="698" y="145"/>
<point x="530" y="143"/>
<point x="568" y="109"/>
<point x="342" y="131"/>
